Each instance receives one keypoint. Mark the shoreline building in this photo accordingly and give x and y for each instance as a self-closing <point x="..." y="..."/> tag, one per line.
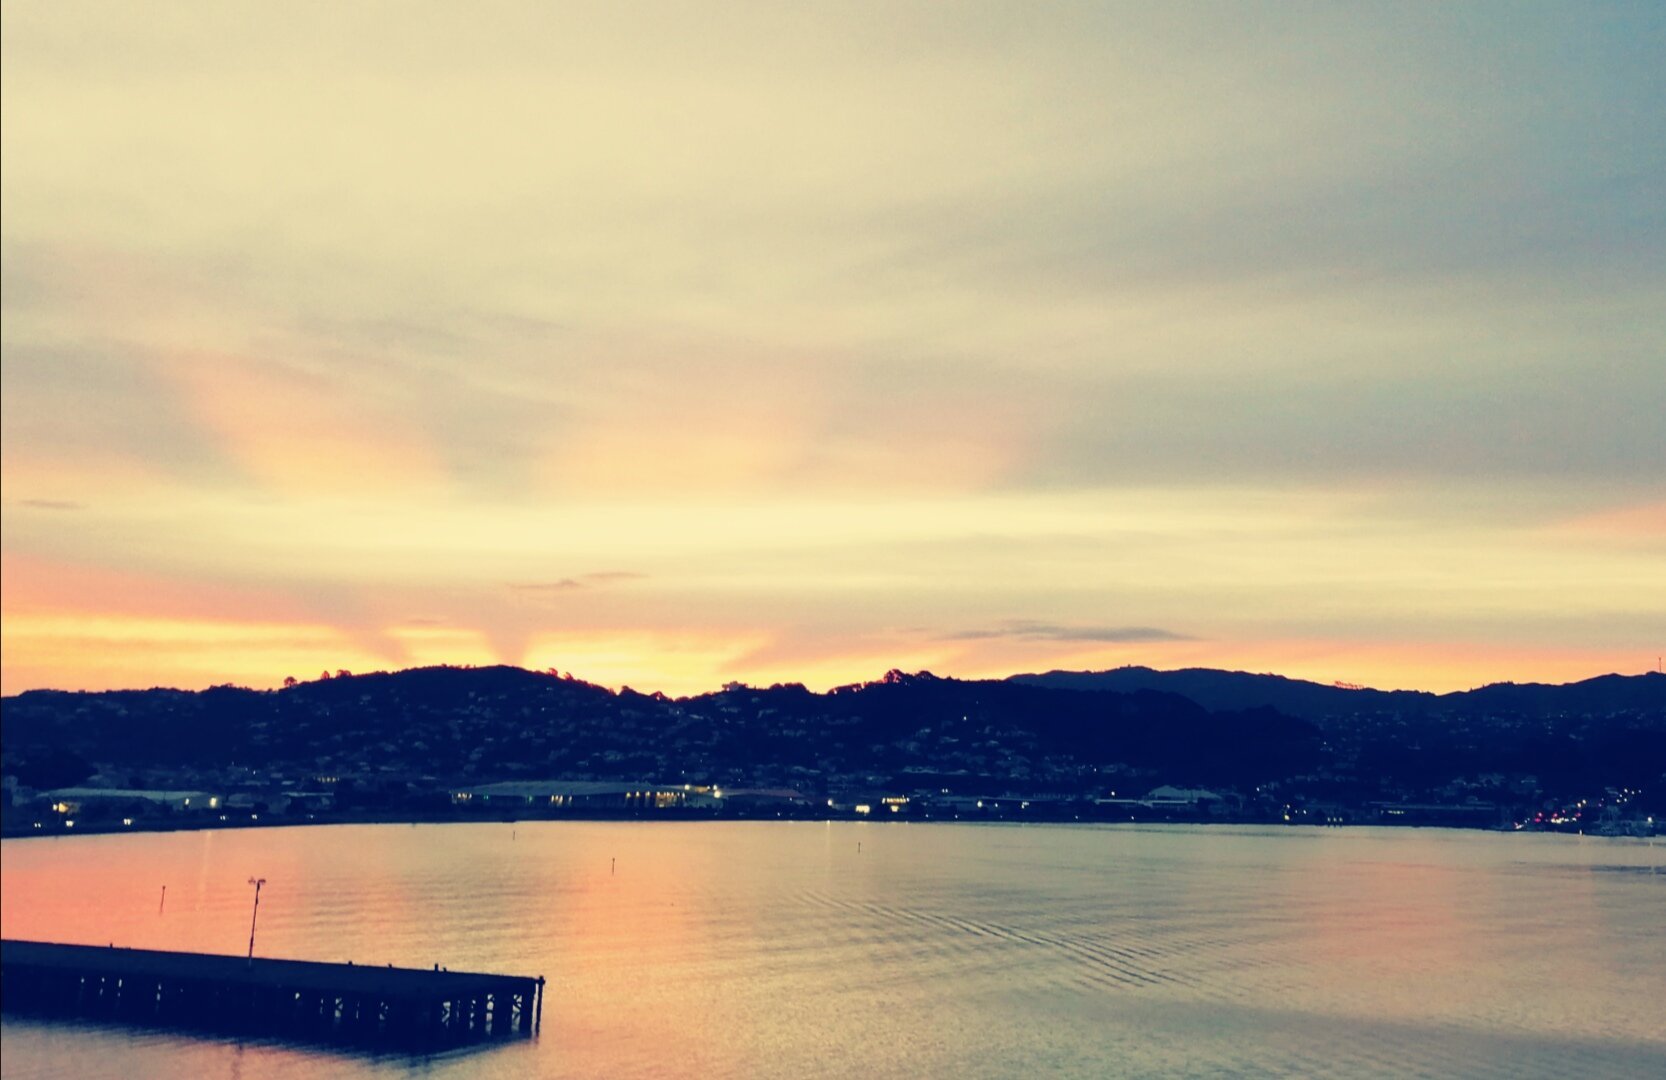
<point x="86" y="800"/>
<point x="582" y="795"/>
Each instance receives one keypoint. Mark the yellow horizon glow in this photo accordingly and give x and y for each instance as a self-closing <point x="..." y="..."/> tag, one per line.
<point x="52" y="651"/>
<point x="686" y="595"/>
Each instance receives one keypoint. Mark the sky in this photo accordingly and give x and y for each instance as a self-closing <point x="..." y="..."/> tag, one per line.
<point x="675" y="344"/>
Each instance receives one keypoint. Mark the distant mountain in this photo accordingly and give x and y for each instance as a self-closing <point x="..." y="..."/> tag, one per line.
<point x="1058" y="732"/>
<point x="1217" y="690"/>
<point x="1605" y="693"/>
<point x="1237" y="690"/>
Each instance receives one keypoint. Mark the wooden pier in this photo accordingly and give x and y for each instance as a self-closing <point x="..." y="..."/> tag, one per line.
<point x="408" y="1008"/>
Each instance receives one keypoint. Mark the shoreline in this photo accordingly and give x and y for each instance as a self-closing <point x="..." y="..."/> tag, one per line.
<point x="138" y="826"/>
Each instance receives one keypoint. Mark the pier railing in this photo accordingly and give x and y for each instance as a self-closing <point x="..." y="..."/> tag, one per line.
<point x="411" y="1008"/>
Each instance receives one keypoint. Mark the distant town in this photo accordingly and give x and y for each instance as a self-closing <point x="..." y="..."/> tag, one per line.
<point x="1133" y="744"/>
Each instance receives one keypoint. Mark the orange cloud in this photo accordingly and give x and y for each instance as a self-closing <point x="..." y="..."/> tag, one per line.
<point x="1638" y="522"/>
<point x="300" y="432"/>
<point x="40" y="585"/>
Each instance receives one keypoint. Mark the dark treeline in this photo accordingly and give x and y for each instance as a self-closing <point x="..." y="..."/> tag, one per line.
<point x="1056" y="733"/>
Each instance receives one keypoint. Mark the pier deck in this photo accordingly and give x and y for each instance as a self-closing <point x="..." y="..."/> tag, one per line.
<point x="409" y="1007"/>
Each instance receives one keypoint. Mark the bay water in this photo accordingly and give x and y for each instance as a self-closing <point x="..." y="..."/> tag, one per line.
<point x="810" y="949"/>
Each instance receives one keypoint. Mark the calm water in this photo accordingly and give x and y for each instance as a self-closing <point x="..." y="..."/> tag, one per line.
<point x="738" y="949"/>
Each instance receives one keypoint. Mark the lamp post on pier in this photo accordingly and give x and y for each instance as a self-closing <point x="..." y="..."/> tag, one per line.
<point x="257" y="883"/>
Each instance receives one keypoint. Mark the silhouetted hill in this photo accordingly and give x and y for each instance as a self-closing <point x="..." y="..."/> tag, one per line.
<point x="1605" y="693"/>
<point x="1241" y="690"/>
<point x="1060" y="732"/>
<point x="499" y="721"/>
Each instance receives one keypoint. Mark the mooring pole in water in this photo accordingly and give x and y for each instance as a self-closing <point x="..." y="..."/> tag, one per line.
<point x="613" y="865"/>
<point x="257" y="883"/>
<point x="160" y="904"/>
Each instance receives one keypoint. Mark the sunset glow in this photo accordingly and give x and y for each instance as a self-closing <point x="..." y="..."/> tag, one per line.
<point x="800" y="345"/>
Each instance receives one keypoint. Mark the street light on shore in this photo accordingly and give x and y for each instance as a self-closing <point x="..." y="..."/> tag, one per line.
<point x="257" y="883"/>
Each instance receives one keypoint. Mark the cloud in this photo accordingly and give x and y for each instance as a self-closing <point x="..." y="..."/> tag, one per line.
<point x="564" y="585"/>
<point x="597" y="579"/>
<point x="52" y="504"/>
<point x="1030" y="630"/>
